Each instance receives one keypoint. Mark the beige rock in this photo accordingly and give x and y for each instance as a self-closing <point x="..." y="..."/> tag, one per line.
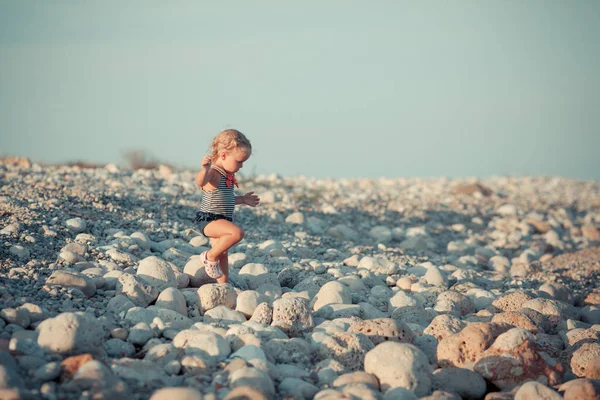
<point x="580" y="389"/>
<point x="462" y="381"/>
<point x="536" y="391"/>
<point x="179" y="393"/>
<point x="454" y="302"/>
<point x="72" y="279"/>
<point x="443" y="326"/>
<point x="332" y="292"/>
<point x="215" y="294"/>
<point x="516" y="319"/>
<point x="582" y="356"/>
<point x="292" y="316"/>
<point x="591" y="233"/>
<point x="592" y="371"/>
<point x="347" y="348"/>
<point x="263" y="314"/>
<point x="510" y="301"/>
<point x="514" y="358"/>
<point x="400" y="364"/>
<point x="353" y="378"/>
<point x="245" y="393"/>
<point x="384" y="329"/>
<point x="551" y="307"/>
<point x="592" y="298"/>
<point x="465" y="348"/>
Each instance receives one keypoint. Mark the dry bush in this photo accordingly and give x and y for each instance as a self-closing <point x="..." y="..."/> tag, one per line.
<point x="83" y="164"/>
<point x="139" y="159"/>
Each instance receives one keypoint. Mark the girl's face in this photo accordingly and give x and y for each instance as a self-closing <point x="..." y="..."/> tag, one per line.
<point x="233" y="160"/>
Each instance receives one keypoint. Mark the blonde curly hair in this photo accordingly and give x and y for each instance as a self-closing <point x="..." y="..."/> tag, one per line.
<point x="228" y="140"/>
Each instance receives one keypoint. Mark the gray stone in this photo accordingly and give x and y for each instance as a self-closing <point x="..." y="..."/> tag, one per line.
<point x="72" y="333"/>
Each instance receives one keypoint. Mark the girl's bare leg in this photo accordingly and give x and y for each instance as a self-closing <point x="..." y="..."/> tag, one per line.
<point x="223" y="263"/>
<point x="223" y="235"/>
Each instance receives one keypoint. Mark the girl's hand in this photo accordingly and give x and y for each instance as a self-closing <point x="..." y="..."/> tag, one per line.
<point x="250" y="199"/>
<point x="206" y="161"/>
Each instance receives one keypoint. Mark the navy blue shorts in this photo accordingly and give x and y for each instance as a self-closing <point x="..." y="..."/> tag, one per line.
<point x="204" y="218"/>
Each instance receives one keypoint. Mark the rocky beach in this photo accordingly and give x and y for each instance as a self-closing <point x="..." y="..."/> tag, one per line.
<point x="390" y="288"/>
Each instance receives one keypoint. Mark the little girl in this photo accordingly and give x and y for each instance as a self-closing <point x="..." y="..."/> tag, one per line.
<point x="229" y="150"/>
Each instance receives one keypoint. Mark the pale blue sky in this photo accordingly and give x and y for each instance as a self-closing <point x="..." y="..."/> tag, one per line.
<point x="322" y="88"/>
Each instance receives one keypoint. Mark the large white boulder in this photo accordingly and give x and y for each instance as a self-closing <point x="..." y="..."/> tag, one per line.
<point x="400" y="365"/>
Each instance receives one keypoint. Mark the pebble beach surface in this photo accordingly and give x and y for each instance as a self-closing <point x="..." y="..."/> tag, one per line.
<point x="341" y="289"/>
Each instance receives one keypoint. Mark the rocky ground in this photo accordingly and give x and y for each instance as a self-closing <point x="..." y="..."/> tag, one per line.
<point x="341" y="289"/>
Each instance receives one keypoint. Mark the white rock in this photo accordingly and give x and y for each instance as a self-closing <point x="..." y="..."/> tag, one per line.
<point x="296" y="218"/>
<point x="256" y="275"/>
<point x="142" y="240"/>
<point x="368" y="311"/>
<point x="172" y="299"/>
<point x="17" y="316"/>
<point x="254" y="378"/>
<point x="72" y="333"/>
<point x="207" y="343"/>
<point x="297" y="388"/>
<point x="237" y="260"/>
<point x="170" y="318"/>
<point x="76" y="225"/>
<point x="292" y="316"/>
<point x="178" y="393"/>
<point x="507" y="210"/>
<point x="400" y="365"/>
<point x="19" y="251"/>
<point x="399" y="393"/>
<point x="215" y="294"/>
<point x="199" y="241"/>
<point x="112" y="168"/>
<point x="120" y="304"/>
<point x="269" y="245"/>
<point x="332" y="292"/>
<point x="263" y="314"/>
<point x="118" y="348"/>
<point x="381" y="234"/>
<point x="225" y="315"/>
<point x="248" y="300"/>
<point x="315" y="225"/>
<point x="47" y="372"/>
<point x="536" y="390"/>
<point x="253" y="355"/>
<point x="72" y="279"/>
<point x="590" y="314"/>
<point x="270" y="291"/>
<point x="499" y="264"/>
<point x="343" y="232"/>
<point x="138" y="291"/>
<point x="36" y="313"/>
<point x="162" y="354"/>
<point x="435" y="277"/>
<point x="418" y="243"/>
<point x="196" y="272"/>
<point x="337" y="310"/>
<point x="11" y="229"/>
<point x="140" y="333"/>
<point x="402" y="299"/>
<point x="157" y="273"/>
<point x="121" y="256"/>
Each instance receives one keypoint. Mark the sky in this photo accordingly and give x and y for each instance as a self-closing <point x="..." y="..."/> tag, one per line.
<point x="462" y="88"/>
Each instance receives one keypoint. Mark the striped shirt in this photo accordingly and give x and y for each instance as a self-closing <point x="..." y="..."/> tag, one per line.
<point x="220" y="200"/>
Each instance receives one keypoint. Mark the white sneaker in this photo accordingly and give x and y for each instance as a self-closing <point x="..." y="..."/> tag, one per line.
<point x="212" y="268"/>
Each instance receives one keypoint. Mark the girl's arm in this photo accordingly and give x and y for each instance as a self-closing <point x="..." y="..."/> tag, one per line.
<point x="249" y="199"/>
<point x="204" y="176"/>
<point x="239" y="200"/>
